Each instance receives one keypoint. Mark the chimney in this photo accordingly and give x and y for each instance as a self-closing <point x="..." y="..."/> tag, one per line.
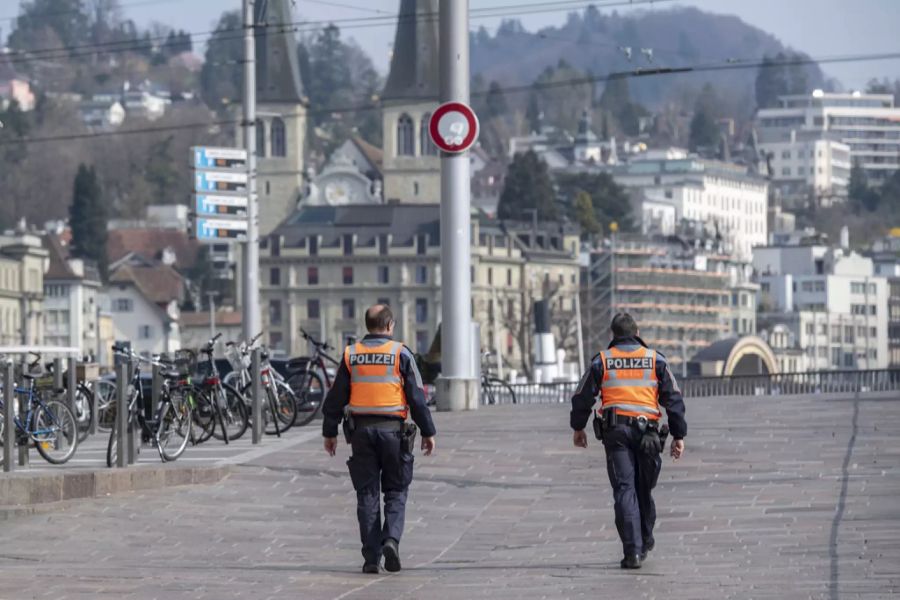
<point x="845" y="237"/>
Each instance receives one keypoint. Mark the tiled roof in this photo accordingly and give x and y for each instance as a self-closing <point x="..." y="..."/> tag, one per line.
<point x="150" y="243"/>
<point x="224" y="318"/>
<point x="160" y="284"/>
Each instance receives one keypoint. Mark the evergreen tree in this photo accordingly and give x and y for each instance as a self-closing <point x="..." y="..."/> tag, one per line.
<point x="704" y="135"/>
<point x="88" y="218"/>
<point x="609" y="200"/>
<point x="860" y="194"/>
<point x="584" y="215"/>
<point x="496" y="101"/>
<point x="527" y="186"/>
<point x="221" y="79"/>
<point x="533" y="114"/>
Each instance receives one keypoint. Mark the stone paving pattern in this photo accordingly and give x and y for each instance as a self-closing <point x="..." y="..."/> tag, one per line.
<point x="775" y="498"/>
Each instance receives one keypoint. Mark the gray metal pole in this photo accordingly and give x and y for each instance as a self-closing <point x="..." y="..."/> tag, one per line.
<point x="23" y="418"/>
<point x="57" y="375"/>
<point x="579" y="332"/>
<point x="256" y="390"/>
<point x="155" y="390"/>
<point x="9" y="415"/>
<point x="457" y="389"/>
<point x="251" y="316"/>
<point x="71" y="384"/>
<point x="121" y="411"/>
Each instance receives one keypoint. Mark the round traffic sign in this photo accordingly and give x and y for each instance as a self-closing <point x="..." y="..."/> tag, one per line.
<point x="453" y="127"/>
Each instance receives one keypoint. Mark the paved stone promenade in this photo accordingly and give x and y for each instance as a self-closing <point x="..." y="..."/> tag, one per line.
<point x="775" y="498"/>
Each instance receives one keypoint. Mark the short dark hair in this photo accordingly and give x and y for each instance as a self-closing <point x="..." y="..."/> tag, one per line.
<point x="623" y="325"/>
<point x="379" y="318"/>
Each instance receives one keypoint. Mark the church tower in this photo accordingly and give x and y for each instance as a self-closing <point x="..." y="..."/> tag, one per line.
<point x="281" y="114"/>
<point x="412" y="165"/>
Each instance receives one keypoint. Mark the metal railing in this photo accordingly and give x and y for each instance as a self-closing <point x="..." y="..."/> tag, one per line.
<point x="782" y="384"/>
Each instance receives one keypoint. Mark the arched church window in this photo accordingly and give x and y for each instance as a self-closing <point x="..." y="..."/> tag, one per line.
<point x="279" y="138"/>
<point x="428" y="147"/>
<point x="260" y="138"/>
<point x="406" y="136"/>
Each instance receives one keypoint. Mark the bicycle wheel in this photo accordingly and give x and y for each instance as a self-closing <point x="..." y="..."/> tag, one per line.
<point x="288" y="400"/>
<point x="83" y="411"/>
<point x="203" y="415"/>
<point x="104" y="394"/>
<point x="487" y="394"/>
<point x="174" y="428"/>
<point x="309" y="390"/>
<point x="234" y="415"/>
<point x="285" y="410"/>
<point x="55" y="432"/>
<point x="112" y="445"/>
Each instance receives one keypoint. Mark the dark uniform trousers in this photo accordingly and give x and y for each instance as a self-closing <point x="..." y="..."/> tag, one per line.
<point x="379" y="464"/>
<point x="633" y="475"/>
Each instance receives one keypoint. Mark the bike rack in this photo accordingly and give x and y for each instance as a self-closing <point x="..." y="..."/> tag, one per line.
<point x="10" y="399"/>
<point x="256" y="390"/>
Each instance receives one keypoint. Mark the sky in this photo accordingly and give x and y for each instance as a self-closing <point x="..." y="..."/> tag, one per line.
<point x="818" y="27"/>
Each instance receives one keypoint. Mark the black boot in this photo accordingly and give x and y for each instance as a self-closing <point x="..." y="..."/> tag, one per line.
<point x="631" y="561"/>
<point x="371" y="569"/>
<point x="391" y="551"/>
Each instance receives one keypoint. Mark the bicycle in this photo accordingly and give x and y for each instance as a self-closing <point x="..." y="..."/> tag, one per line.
<point x="493" y="389"/>
<point x="227" y="406"/>
<point x="50" y="425"/>
<point x="83" y="405"/>
<point x="305" y="376"/>
<point x="172" y="424"/>
<point x="280" y="398"/>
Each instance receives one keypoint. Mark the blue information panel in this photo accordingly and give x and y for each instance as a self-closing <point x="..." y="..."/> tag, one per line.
<point x="218" y="158"/>
<point x="213" y="230"/>
<point x="215" y="181"/>
<point x="220" y="206"/>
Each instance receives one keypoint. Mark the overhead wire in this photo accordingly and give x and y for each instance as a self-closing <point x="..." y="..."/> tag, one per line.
<point x="571" y="82"/>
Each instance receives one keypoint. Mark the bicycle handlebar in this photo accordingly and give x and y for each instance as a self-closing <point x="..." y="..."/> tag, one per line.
<point x="315" y="342"/>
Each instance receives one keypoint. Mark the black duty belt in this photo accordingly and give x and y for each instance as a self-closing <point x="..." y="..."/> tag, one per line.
<point x="377" y="421"/>
<point x="611" y="418"/>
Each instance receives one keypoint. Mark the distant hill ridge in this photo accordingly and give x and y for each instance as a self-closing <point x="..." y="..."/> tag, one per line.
<point x="591" y="40"/>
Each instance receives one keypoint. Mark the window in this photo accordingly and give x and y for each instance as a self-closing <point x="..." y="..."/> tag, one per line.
<point x="873" y="332"/>
<point x="861" y="331"/>
<point x="421" y="274"/>
<point x="260" y="138"/>
<point x="836" y="334"/>
<point x="383" y="244"/>
<point x="348" y="275"/>
<point x="509" y="277"/>
<point x="406" y="145"/>
<point x="848" y="359"/>
<point x="312" y="309"/>
<point x="385" y="301"/>
<point x="822" y="329"/>
<point x="848" y="334"/>
<point x="786" y="171"/>
<point x="421" y="341"/>
<point x="274" y="312"/>
<point x="807" y="286"/>
<point x="873" y="310"/>
<point x="744" y="327"/>
<point x="490" y="276"/>
<point x="421" y="244"/>
<point x="312" y="276"/>
<point x="348" y="308"/>
<point x="836" y="357"/>
<point x="809" y="329"/>
<point x="820" y="286"/>
<point x="275" y="276"/>
<point x="145" y="332"/>
<point x="384" y="274"/>
<point x="313" y="245"/>
<point x="428" y="147"/>
<point x="347" y="241"/>
<point x="276" y="340"/>
<point x="857" y="287"/>
<point x="421" y="310"/>
<point x="123" y="305"/>
<point x="279" y="138"/>
<point x="857" y="309"/>
<point x="786" y="154"/>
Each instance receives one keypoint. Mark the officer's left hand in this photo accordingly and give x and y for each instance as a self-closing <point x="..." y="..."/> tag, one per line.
<point x="330" y="445"/>
<point x="580" y="439"/>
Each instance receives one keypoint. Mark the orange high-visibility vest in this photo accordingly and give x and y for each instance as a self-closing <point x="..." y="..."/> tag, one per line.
<point x="629" y="382"/>
<point x="376" y="387"/>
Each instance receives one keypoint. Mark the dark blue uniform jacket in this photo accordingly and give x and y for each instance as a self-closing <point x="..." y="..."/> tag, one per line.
<point x="669" y="395"/>
<point x="339" y="394"/>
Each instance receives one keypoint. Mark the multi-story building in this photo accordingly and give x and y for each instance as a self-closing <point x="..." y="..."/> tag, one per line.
<point x="809" y="163"/>
<point x="324" y="266"/>
<point x="894" y="323"/>
<point x="684" y="291"/>
<point x="23" y="262"/>
<point x="71" y="301"/>
<point x="412" y="165"/>
<point x="868" y="123"/>
<point x="144" y="301"/>
<point x="831" y="301"/>
<point x="725" y="196"/>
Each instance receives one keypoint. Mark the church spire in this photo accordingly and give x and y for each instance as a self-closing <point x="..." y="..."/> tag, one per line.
<point x="278" y="78"/>
<point x="415" y="60"/>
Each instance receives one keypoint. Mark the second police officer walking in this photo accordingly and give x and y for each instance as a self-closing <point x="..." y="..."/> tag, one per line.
<point x="376" y="388"/>
<point x="632" y="382"/>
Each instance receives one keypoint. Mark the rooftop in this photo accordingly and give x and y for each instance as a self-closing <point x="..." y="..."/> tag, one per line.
<point x="414" y="63"/>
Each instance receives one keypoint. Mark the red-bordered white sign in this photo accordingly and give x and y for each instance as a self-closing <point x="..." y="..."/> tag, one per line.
<point x="453" y="127"/>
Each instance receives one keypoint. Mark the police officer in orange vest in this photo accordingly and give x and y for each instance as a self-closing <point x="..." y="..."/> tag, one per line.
<point x="376" y="388"/>
<point x="632" y="381"/>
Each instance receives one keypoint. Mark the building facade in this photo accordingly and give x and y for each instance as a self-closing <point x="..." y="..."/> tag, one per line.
<point x="725" y="196"/>
<point x="832" y="302"/>
<point x="868" y="123"/>
<point x="144" y="303"/>
<point x="809" y="165"/>
<point x="323" y="267"/>
<point x="72" y="291"/>
<point x="23" y="261"/>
